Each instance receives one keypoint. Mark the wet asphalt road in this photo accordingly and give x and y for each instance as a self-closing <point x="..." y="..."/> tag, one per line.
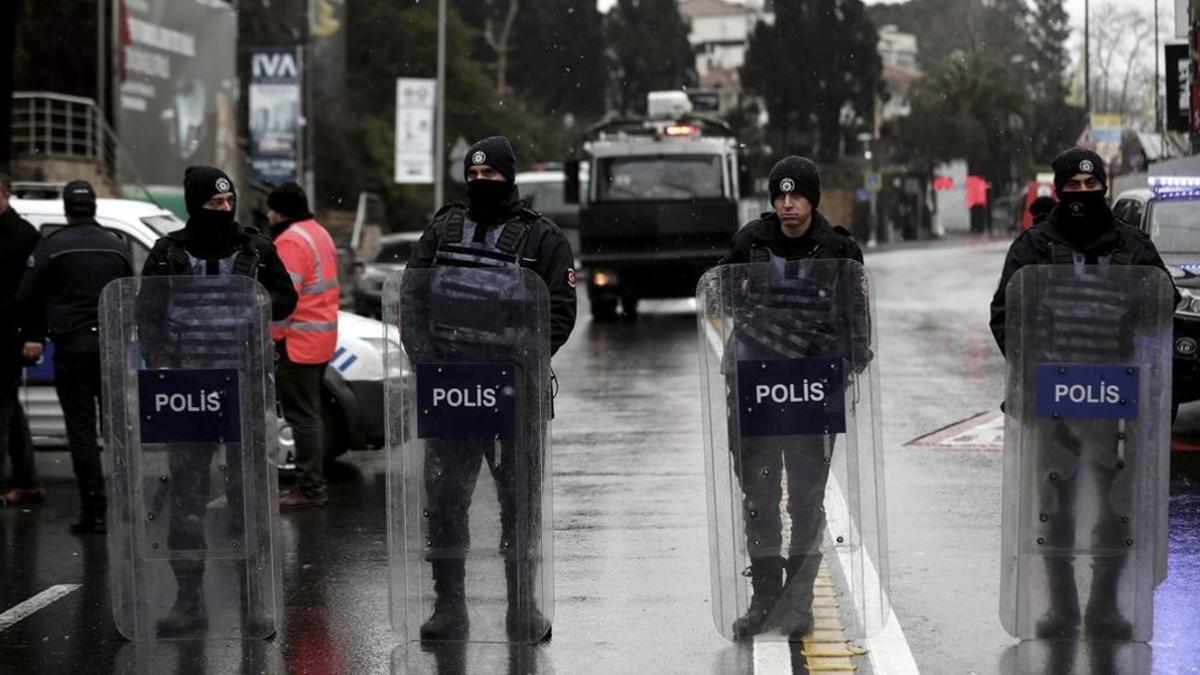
<point x="631" y="550"/>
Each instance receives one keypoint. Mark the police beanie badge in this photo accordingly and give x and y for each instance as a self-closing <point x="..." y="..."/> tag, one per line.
<point x="787" y="185"/>
<point x="478" y="158"/>
<point x="1086" y="166"/>
<point x="222" y="185"/>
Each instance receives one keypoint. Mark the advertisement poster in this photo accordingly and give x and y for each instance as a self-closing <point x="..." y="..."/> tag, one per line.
<point x="415" y="99"/>
<point x="274" y="114"/>
<point x="178" y="94"/>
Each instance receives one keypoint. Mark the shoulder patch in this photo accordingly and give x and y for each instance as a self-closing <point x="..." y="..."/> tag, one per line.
<point x="571" y="280"/>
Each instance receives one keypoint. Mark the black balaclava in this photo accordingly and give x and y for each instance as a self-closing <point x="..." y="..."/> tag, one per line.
<point x="796" y="174"/>
<point x="489" y="199"/>
<point x="79" y="200"/>
<point x="209" y="233"/>
<point x="1081" y="217"/>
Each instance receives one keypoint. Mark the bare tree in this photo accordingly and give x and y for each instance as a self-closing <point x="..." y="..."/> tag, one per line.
<point x="497" y="32"/>
<point x="1122" y="61"/>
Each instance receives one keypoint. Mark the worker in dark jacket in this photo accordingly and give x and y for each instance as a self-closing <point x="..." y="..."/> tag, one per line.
<point x="17" y="241"/>
<point x="61" y="298"/>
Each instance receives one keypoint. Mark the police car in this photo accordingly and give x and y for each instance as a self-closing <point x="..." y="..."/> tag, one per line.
<point x="352" y="402"/>
<point x="1169" y="211"/>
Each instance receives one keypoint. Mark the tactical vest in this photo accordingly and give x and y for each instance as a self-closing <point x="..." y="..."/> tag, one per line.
<point x="1086" y="321"/>
<point x="208" y="321"/>
<point x="790" y="309"/>
<point x="476" y="287"/>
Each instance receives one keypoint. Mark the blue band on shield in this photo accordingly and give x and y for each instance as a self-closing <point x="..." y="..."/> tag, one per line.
<point x="466" y="400"/>
<point x="1067" y="391"/>
<point x="790" y="397"/>
<point x="189" y="406"/>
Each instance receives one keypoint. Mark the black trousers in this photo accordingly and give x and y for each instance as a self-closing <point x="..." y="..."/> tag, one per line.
<point x="759" y="467"/>
<point x="188" y="495"/>
<point x="77" y="381"/>
<point x="1079" y="470"/>
<point x="299" y="389"/>
<point x="14" y="427"/>
<point x="451" y="471"/>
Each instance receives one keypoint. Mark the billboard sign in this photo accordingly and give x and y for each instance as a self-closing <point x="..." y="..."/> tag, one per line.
<point x="178" y="87"/>
<point x="415" y="99"/>
<point x="275" y="113"/>
<point x="1178" y="99"/>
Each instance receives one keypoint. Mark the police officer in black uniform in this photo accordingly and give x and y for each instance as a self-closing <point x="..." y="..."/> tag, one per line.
<point x="497" y="229"/>
<point x="211" y="243"/>
<point x="795" y="319"/>
<point x="61" y="296"/>
<point x="1081" y="231"/>
<point x="17" y="240"/>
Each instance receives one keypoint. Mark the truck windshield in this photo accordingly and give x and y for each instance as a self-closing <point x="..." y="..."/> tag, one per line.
<point x="661" y="177"/>
<point x="1175" y="225"/>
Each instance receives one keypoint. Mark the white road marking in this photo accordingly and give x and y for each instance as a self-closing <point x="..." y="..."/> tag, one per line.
<point x="37" y="602"/>
<point x="772" y="656"/>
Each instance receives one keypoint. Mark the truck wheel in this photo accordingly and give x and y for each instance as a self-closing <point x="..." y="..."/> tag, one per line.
<point x="629" y="307"/>
<point x="604" y="310"/>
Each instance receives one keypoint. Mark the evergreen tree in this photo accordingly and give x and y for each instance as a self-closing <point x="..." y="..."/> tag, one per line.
<point x="818" y="70"/>
<point x="559" y="64"/>
<point x="649" y="40"/>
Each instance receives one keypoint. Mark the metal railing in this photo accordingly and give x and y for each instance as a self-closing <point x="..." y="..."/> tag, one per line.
<point x="51" y="125"/>
<point x="46" y="124"/>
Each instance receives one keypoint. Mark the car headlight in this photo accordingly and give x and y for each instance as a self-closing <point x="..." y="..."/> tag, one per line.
<point x="1189" y="304"/>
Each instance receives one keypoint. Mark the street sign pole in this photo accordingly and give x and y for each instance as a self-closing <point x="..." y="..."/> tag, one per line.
<point x="439" y="124"/>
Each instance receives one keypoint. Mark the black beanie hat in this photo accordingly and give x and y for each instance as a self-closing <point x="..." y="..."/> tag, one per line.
<point x="1041" y="206"/>
<point x="1076" y="161"/>
<point x="496" y="152"/>
<point x="79" y="199"/>
<point x="201" y="183"/>
<point x="796" y="174"/>
<point x="288" y="200"/>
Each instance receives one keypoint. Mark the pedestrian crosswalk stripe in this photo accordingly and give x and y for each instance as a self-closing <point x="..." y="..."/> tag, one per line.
<point x="37" y="602"/>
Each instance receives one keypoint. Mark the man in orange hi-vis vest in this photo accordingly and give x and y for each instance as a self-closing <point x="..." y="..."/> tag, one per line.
<point x="306" y="340"/>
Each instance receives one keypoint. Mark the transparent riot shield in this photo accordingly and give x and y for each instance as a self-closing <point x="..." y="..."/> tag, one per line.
<point x="469" y="512"/>
<point x="1087" y="444"/>
<point x="188" y="395"/>
<point x="797" y="531"/>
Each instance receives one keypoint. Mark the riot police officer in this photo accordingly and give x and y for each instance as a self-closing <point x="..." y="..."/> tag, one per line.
<point x="211" y="243"/>
<point x="496" y="229"/>
<point x="61" y="295"/>
<point x="787" y="324"/>
<point x="1081" y="231"/>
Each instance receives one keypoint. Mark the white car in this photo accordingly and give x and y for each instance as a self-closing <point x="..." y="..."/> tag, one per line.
<point x="352" y="403"/>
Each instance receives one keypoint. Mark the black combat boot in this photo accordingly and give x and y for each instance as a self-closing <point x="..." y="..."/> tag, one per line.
<point x="524" y="621"/>
<point x="1061" y="622"/>
<point x="449" y="620"/>
<point x="188" y="618"/>
<point x="796" y="612"/>
<point x="766" y="580"/>
<point x="1103" y="620"/>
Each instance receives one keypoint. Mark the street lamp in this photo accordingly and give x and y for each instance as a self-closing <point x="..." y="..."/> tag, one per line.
<point x="439" y="120"/>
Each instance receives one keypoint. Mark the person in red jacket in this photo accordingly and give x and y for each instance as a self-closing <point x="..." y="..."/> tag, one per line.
<point x="306" y="340"/>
